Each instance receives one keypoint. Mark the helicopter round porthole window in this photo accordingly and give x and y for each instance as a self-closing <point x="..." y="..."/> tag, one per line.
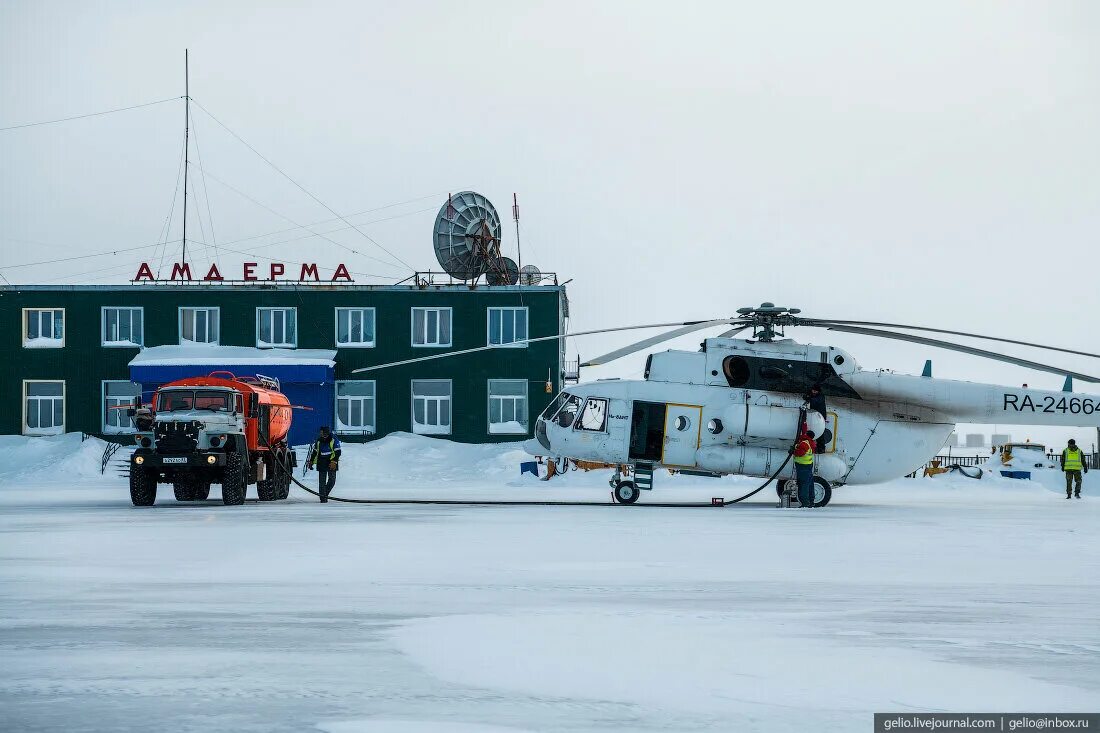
<point x="838" y="359"/>
<point x="714" y="426"/>
<point x="682" y="423"/>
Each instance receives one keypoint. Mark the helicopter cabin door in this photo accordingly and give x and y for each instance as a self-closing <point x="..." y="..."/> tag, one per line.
<point x="681" y="434"/>
<point x="647" y="431"/>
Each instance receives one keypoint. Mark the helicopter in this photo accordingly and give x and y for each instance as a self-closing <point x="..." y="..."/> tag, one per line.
<point x="735" y="406"/>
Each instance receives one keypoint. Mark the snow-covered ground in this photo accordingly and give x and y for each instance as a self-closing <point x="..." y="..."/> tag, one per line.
<point x="921" y="594"/>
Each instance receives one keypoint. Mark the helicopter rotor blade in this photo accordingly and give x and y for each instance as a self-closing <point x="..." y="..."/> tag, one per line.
<point x="652" y="340"/>
<point x="539" y="339"/>
<point x="824" y="322"/>
<point x="912" y="338"/>
<point x="732" y="332"/>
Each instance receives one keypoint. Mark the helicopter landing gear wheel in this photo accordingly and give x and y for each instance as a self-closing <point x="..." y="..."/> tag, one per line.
<point x="626" y="492"/>
<point x="781" y="487"/>
<point x="823" y="492"/>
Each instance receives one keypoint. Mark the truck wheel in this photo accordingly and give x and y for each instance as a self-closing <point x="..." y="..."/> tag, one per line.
<point x="235" y="479"/>
<point x="823" y="492"/>
<point x="282" y="473"/>
<point x="143" y="487"/>
<point x="201" y="491"/>
<point x="268" y="488"/>
<point x="184" y="490"/>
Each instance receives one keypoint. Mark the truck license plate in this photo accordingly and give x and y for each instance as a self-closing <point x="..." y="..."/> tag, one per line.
<point x="174" y="460"/>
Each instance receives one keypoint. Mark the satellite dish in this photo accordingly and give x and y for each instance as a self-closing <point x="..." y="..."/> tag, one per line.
<point x="529" y="275"/>
<point x="503" y="272"/>
<point x="467" y="237"/>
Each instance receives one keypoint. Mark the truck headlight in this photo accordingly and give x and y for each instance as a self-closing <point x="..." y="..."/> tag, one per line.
<point x="146" y="442"/>
<point x="215" y="441"/>
<point x="211" y="460"/>
<point x="139" y="460"/>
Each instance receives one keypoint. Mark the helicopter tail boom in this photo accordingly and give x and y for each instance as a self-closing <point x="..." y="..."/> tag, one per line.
<point x="981" y="403"/>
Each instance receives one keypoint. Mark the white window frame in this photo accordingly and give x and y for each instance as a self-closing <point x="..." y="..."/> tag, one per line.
<point x="369" y="430"/>
<point x="64" y="327"/>
<point x="426" y="344"/>
<point x="114" y="429"/>
<point x="281" y="344"/>
<point x="353" y="344"/>
<point x="431" y="398"/>
<point x="64" y="412"/>
<point x="208" y="308"/>
<point x="103" y="325"/>
<point x="489" y="328"/>
<point x="489" y="406"/>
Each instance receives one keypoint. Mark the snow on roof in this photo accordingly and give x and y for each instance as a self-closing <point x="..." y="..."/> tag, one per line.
<point x="201" y="354"/>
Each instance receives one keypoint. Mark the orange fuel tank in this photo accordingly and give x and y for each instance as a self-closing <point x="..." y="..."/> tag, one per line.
<point x="267" y="411"/>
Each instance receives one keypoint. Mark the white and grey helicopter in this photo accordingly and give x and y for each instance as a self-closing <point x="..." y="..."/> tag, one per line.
<point x="735" y="406"/>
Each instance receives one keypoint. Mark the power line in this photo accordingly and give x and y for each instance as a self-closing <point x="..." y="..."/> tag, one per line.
<point x="167" y="226"/>
<point x="300" y="226"/>
<point x="84" y="257"/>
<point x="303" y="189"/>
<point x="205" y="191"/>
<point x="90" y="114"/>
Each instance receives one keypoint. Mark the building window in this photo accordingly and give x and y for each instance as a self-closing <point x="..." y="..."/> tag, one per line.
<point x="355" y="407"/>
<point x="277" y="327"/>
<point x="431" y="406"/>
<point x="118" y="397"/>
<point x="508" y="406"/>
<point x="43" y="407"/>
<point x="123" y="326"/>
<point x="594" y="417"/>
<point x="507" y="326"/>
<point x="431" y="326"/>
<point x="199" y="325"/>
<point x="43" y="328"/>
<point x="355" y="327"/>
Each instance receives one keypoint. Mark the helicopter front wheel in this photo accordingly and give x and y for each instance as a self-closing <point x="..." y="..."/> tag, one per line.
<point x="626" y="492"/>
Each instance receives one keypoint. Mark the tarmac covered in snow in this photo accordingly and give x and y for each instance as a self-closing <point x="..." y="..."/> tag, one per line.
<point x="918" y="595"/>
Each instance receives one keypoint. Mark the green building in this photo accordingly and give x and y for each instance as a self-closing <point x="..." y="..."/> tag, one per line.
<point x="71" y="353"/>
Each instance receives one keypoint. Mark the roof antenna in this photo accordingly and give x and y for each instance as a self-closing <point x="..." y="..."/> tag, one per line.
<point x="515" y="215"/>
<point x="186" y="144"/>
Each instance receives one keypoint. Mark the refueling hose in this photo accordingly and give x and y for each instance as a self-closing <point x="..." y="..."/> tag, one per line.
<point x="798" y="431"/>
<point x="499" y="502"/>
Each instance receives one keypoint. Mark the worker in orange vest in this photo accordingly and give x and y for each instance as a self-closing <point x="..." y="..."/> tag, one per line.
<point x="803" y="452"/>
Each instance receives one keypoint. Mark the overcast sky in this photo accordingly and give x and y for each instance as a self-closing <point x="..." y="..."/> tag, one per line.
<point x="929" y="163"/>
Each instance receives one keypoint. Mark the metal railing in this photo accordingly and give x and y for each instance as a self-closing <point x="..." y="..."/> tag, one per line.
<point x="429" y="278"/>
<point x="1092" y="460"/>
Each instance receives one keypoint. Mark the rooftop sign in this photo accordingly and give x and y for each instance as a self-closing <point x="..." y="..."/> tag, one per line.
<point x="276" y="271"/>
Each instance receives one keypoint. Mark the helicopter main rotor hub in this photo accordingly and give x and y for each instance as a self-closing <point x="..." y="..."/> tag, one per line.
<point x="768" y="320"/>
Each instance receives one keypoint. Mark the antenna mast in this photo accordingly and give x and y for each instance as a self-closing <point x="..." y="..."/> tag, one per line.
<point x="186" y="143"/>
<point x="515" y="215"/>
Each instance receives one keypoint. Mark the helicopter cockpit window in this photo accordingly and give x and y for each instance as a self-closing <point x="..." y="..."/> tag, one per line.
<point x="594" y="416"/>
<point x="568" y="412"/>
<point x="737" y="370"/>
<point x="554" y="406"/>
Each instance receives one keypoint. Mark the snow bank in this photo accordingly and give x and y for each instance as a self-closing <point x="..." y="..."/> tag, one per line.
<point x="64" y="457"/>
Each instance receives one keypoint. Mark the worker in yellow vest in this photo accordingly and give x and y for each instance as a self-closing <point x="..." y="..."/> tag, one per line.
<point x="1073" y="463"/>
<point x="803" y="453"/>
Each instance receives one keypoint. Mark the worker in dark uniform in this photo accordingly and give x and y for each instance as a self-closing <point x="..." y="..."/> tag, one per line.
<point x="326" y="457"/>
<point x="803" y="453"/>
<point x="1073" y="463"/>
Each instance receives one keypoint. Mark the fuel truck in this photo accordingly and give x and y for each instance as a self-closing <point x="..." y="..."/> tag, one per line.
<point x="217" y="429"/>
